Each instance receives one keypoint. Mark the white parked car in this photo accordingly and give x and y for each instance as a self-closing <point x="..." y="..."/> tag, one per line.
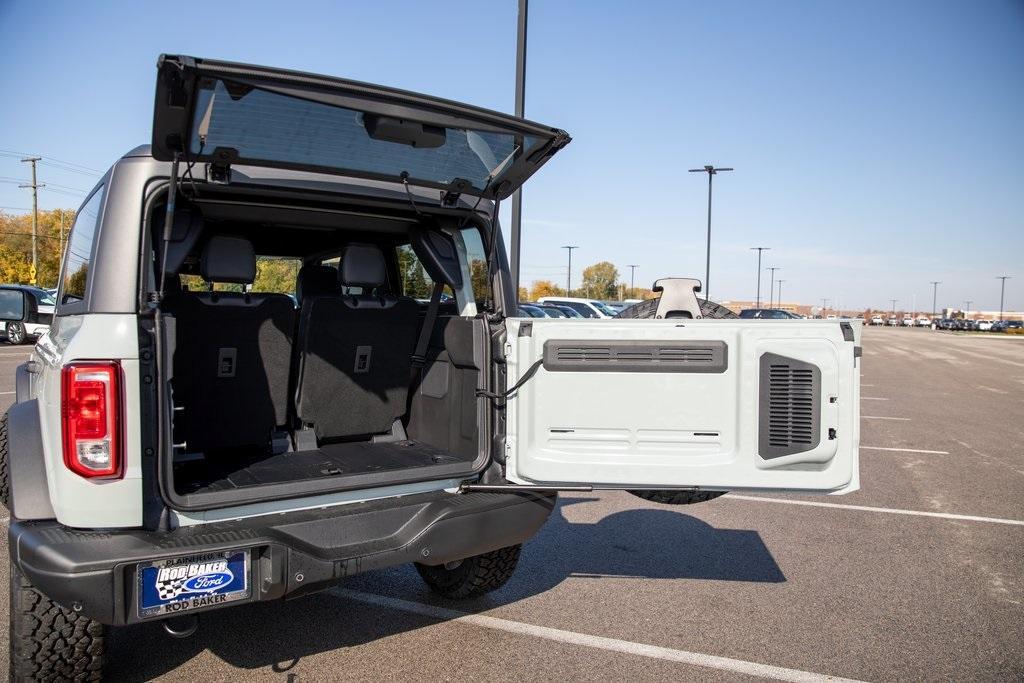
<point x="893" y="322"/>
<point x="984" y="326"/>
<point x="908" y="321"/>
<point x="588" y="308"/>
<point x="877" y="320"/>
<point x="924" y="321"/>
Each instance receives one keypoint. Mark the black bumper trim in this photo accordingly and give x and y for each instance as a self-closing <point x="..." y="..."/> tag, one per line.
<point x="292" y="553"/>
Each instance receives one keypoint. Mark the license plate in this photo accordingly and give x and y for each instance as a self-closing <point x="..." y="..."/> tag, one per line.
<point x="194" y="582"/>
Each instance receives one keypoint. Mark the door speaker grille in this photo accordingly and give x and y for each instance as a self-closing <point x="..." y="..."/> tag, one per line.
<point x="790" y="406"/>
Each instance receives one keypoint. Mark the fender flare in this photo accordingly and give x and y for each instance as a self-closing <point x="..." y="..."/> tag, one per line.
<point x="30" y="494"/>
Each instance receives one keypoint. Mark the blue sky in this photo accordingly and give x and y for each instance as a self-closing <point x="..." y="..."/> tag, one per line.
<point x="877" y="145"/>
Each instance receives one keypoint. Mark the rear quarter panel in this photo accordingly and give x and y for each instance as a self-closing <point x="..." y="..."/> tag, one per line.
<point x="80" y="502"/>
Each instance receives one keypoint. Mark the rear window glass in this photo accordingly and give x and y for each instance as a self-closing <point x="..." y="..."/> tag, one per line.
<point x="274" y="275"/>
<point x="79" y="250"/>
<point x="270" y="127"/>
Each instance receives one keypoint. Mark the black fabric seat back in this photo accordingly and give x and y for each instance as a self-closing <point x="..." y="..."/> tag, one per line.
<point x="355" y="351"/>
<point x="233" y="355"/>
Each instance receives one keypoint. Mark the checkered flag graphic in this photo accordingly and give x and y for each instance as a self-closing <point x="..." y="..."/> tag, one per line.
<point x="169" y="588"/>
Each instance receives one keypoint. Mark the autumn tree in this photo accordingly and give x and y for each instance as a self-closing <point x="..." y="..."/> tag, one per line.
<point x="16" y="246"/>
<point x="544" y="288"/>
<point x="599" y="280"/>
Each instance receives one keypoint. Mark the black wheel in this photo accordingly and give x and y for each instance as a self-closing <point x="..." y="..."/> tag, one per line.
<point x="678" y="497"/>
<point x="647" y="309"/>
<point x="5" y="476"/>
<point x="473" y="576"/>
<point x="49" y="642"/>
<point x="16" y="333"/>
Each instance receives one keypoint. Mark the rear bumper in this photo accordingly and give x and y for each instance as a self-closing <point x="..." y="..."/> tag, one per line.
<point x="292" y="554"/>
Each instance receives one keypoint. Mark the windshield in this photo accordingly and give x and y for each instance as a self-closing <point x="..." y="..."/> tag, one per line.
<point x="260" y="125"/>
<point x="605" y="308"/>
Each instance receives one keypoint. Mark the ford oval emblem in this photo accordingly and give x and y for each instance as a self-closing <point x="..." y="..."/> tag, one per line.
<point x="208" y="582"/>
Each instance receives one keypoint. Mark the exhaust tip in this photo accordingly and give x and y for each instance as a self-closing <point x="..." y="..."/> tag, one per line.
<point x="181" y="627"/>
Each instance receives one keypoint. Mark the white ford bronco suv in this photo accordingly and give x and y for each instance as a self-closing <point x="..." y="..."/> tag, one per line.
<point x="182" y="441"/>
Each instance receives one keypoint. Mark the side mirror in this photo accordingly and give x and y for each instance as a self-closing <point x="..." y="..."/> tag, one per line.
<point x="14" y="305"/>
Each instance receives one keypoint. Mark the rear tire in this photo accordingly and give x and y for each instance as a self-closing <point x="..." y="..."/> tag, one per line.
<point x="647" y="309"/>
<point x="678" y="497"/>
<point x="473" y="576"/>
<point x="49" y="642"/>
<point x="16" y="333"/>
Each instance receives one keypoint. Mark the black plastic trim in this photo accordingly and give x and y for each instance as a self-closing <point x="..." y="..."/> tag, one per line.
<point x="30" y="495"/>
<point x="95" y="569"/>
<point x="568" y="355"/>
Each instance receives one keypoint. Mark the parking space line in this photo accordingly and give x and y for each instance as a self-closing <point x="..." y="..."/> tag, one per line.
<point x="904" y="450"/>
<point x="5" y="393"/>
<point x="881" y="417"/>
<point x="596" y="642"/>
<point x="891" y="511"/>
<point x="872" y="398"/>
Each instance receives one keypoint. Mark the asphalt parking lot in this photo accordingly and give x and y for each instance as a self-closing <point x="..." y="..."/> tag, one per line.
<point x="920" y="575"/>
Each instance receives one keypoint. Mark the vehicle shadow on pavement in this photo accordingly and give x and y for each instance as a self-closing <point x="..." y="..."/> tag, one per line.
<point x="645" y="543"/>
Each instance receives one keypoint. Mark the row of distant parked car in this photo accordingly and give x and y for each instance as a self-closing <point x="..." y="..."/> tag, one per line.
<point x="569" y="307"/>
<point x="949" y="323"/>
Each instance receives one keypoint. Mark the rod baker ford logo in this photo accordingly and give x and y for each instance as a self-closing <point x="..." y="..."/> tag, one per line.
<point x="189" y="579"/>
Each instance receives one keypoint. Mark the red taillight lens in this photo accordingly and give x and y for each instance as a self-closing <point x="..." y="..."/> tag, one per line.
<point x="91" y="418"/>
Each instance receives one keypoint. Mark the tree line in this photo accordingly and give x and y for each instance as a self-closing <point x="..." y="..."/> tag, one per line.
<point x="600" y="280"/>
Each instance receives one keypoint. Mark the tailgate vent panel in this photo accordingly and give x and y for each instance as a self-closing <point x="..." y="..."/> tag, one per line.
<point x="635" y="356"/>
<point x="789" y="419"/>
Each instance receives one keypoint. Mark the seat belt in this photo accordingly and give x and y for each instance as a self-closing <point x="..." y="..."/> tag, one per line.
<point x="419" y="356"/>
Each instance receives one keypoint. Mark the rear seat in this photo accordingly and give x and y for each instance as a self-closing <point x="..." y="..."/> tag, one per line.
<point x="354" y="351"/>
<point x="233" y="355"/>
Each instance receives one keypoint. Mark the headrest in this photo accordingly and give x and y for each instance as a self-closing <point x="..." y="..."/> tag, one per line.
<point x="228" y="259"/>
<point x="315" y="279"/>
<point x="362" y="265"/>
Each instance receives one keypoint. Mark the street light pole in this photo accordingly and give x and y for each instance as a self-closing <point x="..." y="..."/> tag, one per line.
<point x="632" y="271"/>
<point x="778" y="302"/>
<point x="771" y="290"/>
<point x="568" y="273"/>
<point x="966" y="310"/>
<point x="1002" y="291"/>
<point x="517" y="196"/>
<point x="711" y="171"/>
<point x="759" y="250"/>
<point x="935" y="293"/>
<point x="894" y="307"/>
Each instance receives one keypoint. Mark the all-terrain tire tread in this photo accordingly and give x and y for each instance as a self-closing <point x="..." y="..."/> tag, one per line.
<point x="678" y="497"/>
<point x="49" y="642"/>
<point x="648" y="307"/>
<point x="476" y="575"/>
<point x="5" y="468"/>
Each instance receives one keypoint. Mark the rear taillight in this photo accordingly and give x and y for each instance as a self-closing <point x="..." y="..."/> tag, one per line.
<point x="91" y="418"/>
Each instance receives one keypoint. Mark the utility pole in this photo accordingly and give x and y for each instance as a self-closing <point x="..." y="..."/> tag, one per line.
<point x="1002" y="291"/>
<point x="711" y="171"/>
<point x="568" y="273"/>
<point x="517" y="196"/>
<point x="824" y="307"/>
<point x="632" y="271"/>
<point x="778" y="302"/>
<point x="894" y="307"/>
<point x="771" y="290"/>
<point x="35" y="214"/>
<point x="759" y="250"/>
<point x="968" y="302"/>
<point x="935" y="293"/>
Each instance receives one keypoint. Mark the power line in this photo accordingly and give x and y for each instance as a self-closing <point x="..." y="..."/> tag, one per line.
<point x="51" y="161"/>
